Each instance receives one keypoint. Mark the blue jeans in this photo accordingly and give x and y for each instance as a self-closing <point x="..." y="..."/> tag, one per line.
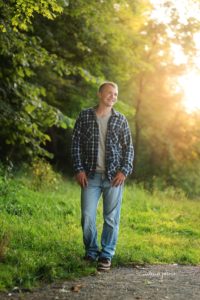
<point x="112" y="198"/>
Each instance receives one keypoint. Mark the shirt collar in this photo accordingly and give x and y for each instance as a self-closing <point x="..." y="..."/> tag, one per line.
<point x="114" y="112"/>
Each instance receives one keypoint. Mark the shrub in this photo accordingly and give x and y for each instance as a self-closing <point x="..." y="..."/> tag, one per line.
<point x="43" y="174"/>
<point x="9" y="190"/>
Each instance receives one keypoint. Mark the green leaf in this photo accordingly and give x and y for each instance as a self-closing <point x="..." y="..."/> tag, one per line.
<point x="29" y="108"/>
<point x="63" y="125"/>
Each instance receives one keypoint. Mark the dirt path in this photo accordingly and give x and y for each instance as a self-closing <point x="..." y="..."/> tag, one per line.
<point x="156" y="282"/>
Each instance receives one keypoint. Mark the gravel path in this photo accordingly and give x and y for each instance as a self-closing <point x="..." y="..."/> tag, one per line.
<point x="156" y="282"/>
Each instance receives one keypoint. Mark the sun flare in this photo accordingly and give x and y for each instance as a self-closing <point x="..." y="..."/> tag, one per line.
<point x="190" y="86"/>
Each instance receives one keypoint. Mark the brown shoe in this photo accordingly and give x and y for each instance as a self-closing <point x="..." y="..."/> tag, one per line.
<point x="103" y="264"/>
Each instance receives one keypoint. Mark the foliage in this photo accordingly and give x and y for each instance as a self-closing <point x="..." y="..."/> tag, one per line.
<point x="7" y="191"/>
<point x="187" y="177"/>
<point x="95" y="43"/>
<point x="166" y="136"/>
<point x="43" y="175"/>
<point x="25" y="116"/>
<point x="53" y="56"/>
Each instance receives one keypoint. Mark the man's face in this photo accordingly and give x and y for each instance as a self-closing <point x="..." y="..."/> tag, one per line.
<point x="108" y="96"/>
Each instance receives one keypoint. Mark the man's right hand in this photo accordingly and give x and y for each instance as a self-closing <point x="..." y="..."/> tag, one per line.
<point x="81" y="178"/>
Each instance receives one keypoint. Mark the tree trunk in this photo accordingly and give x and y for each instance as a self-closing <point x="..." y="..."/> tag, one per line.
<point x="138" y="124"/>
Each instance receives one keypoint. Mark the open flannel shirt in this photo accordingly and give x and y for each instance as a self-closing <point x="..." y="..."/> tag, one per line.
<point x="119" y="148"/>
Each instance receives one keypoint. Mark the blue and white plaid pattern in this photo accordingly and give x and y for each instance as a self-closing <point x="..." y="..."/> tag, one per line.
<point x="119" y="147"/>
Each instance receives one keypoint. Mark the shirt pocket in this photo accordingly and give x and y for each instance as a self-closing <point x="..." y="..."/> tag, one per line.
<point x="115" y="133"/>
<point x="87" y="133"/>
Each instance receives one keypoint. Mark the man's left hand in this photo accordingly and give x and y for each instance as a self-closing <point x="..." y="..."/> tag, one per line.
<point x="118" y="179"/>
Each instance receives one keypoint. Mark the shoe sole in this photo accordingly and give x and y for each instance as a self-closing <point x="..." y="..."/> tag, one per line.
<point x="103" y="269"/>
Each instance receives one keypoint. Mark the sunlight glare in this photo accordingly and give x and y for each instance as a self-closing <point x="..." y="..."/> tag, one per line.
<point x="178" y="55"/>
<point x="186" y="9"/>
<point x="190" y="85"/>
<point x="196" y="38"/>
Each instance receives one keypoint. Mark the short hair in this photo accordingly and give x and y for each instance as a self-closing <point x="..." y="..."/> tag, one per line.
<point x="101" y="87"/>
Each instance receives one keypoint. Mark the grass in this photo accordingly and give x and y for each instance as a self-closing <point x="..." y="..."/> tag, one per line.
<point x="41" y="239"/>
<point x="159" y="228"/>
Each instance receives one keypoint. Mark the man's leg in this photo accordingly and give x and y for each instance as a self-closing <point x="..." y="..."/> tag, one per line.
<point x="89" y="200"/>
<point x="112" y="198"/>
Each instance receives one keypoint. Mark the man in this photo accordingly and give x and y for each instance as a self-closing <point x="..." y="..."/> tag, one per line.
<point x="102" y="154"/>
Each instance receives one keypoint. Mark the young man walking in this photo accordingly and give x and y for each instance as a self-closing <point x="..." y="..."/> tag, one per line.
<point x="102" y="154"/>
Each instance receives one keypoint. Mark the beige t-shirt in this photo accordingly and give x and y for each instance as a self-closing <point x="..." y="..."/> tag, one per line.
<point x="103" y="124"/>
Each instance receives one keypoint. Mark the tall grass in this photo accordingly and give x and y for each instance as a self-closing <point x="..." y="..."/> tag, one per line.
<point x="41" y="239"/>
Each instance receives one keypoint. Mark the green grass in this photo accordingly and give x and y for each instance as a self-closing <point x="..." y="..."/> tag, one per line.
<point x="41" y="239"/>
<point x="159" y="228"/>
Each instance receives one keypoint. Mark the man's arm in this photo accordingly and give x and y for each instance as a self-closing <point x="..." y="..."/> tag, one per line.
<point x="127" y="150"/>
<point x="127" y="154"/>
<point x="76" y="153"/>
<point x="81" y="178"/>
<point x="118" y="179"/>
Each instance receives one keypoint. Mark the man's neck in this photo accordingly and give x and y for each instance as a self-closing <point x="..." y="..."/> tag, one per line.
<point x="102" y="111"/>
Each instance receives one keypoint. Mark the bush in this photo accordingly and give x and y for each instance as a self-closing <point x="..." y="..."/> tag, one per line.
<point x="187" y="178"/>
<point x="43" y="175"/>
<point x="9" y="191"/>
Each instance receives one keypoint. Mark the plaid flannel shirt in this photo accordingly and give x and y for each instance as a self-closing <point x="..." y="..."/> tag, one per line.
<point x="119" y="148"/>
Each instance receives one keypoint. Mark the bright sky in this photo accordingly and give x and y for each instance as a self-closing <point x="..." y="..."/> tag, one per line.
<point x="188" y="83"/>
<point x="186" y="9"/>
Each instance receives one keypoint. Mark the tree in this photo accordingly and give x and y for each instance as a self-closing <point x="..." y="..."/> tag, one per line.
<point x="162" y="127"/>
<point x="25" y="115"/>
